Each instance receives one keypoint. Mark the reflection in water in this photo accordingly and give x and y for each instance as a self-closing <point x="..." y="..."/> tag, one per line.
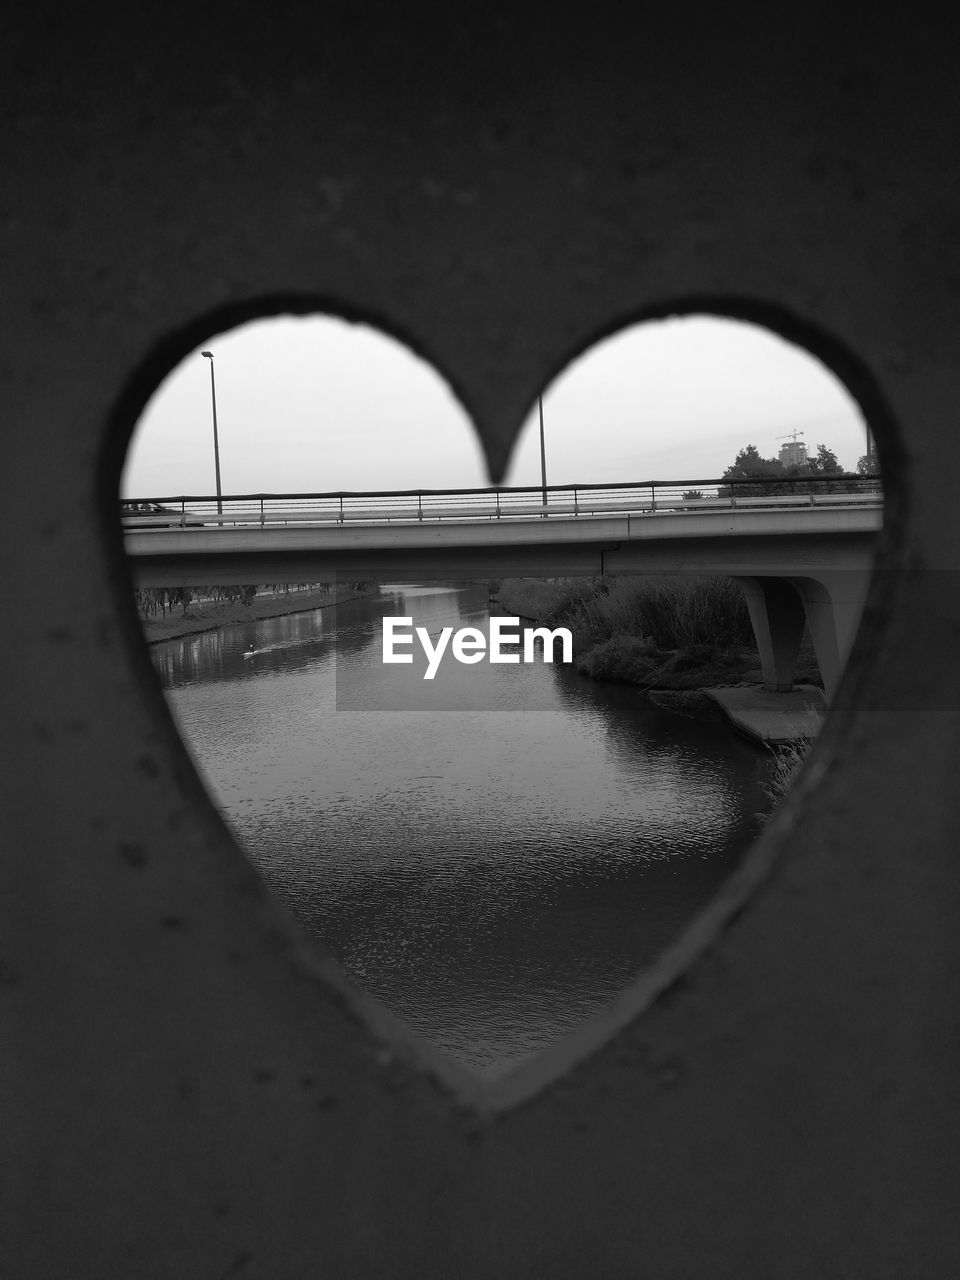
<point x="494" y="854"/>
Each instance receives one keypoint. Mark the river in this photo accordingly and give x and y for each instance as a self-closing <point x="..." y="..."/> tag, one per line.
<point x="494" y="854"/>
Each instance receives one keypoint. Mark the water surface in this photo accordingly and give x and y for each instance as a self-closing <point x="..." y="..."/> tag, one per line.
<point x="494" y="854"/>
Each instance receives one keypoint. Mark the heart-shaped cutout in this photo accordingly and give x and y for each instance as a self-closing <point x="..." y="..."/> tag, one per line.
<point x="507" y="855"/>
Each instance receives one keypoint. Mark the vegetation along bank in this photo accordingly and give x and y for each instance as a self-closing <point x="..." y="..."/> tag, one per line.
<point x="166" y="613"/>
<point x="677" y="635"/>
<point x="671" y="636"/>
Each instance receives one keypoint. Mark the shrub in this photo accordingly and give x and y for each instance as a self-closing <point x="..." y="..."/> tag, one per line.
<point x="620" y="658"/>
<point x="671" y="613"/>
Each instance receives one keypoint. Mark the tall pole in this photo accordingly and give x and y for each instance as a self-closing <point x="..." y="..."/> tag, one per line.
<point x="216" y="443"/>
<point x="543" y="454"/>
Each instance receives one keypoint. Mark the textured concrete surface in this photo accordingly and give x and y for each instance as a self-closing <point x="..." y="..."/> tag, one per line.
<point x="772" y="717"/>
<point x="188" y="1088"/>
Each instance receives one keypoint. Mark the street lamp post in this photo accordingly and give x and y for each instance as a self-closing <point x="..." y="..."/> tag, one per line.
<point x="543" y="457"/>
<point x="216" y="443"/>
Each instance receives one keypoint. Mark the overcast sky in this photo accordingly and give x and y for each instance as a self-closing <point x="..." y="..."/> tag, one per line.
<point x="315" y="404"/>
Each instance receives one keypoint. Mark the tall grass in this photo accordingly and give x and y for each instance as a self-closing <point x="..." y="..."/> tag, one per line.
<point x="670" y="613"/>
<point x="789" y="756"/>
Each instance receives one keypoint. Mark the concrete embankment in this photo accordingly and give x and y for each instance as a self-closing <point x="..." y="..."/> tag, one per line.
<point x="771" y="717"/>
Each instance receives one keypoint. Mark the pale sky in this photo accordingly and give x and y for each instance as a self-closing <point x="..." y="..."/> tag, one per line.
<point x="312" y="405"/>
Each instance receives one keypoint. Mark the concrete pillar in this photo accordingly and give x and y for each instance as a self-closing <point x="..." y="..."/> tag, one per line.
<point x="833" y="603"/>
<point x="776" y="612"/>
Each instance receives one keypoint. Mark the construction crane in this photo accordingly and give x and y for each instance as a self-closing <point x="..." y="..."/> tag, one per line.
<point x="791" y="435"/>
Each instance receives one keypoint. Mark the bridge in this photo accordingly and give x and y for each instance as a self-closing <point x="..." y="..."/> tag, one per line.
<point x="802" y="553"/>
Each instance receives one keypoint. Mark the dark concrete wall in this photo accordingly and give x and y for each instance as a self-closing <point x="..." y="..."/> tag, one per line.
<point x="187" y="1090"/>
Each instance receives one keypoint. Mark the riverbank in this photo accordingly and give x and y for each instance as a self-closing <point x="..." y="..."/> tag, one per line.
<point x="208" y="615"/>
<point x="775" y="719"/>
<point x="687" y="643"/>
<point x="664" y="635"/>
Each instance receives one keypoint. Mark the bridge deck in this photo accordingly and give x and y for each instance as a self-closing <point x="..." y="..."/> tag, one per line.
<point x="781" y="534"/>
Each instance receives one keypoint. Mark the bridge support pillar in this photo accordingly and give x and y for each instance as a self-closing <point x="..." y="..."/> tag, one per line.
<point x="833" y="603"/>
<point x="777" y="614"/>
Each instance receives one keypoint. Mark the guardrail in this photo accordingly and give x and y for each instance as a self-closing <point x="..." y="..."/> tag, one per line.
<point x="651" y="497"/>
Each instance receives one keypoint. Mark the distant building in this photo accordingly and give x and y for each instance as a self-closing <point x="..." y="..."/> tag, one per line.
<point x="793" y="454"/>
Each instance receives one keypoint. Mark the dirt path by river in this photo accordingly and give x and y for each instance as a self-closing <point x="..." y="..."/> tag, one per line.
<point x="207" y="615"/>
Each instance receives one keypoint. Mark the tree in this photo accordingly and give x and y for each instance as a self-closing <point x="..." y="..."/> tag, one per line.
<point x="868" y="465"/>
<point x="825" y="463"/>
<point x="749" y="465"/>
<point x="748" y="462"/>
<point x="773" y="477"/>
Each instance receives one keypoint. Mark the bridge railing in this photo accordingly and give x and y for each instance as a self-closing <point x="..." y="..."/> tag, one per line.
<point x="652" y="497"/>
